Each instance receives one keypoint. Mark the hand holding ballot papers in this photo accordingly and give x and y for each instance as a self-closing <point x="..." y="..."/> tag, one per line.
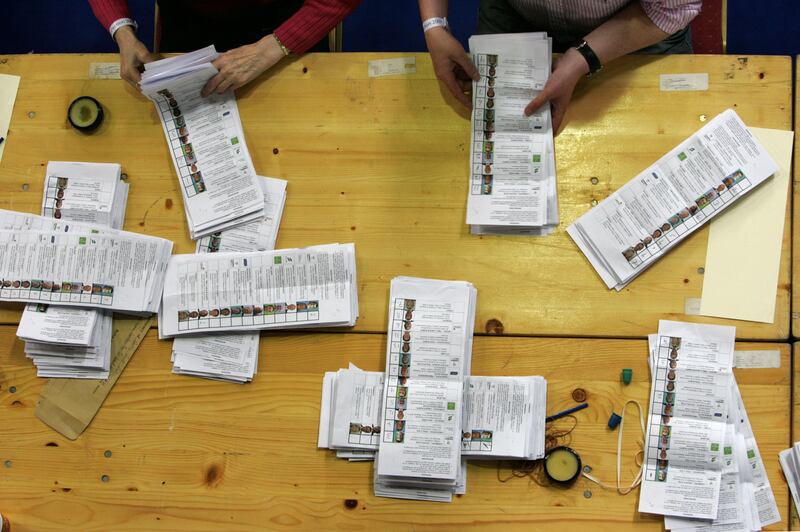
<point x="206" y="142"/>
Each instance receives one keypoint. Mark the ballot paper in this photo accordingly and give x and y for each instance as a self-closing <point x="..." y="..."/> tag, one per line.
<point x="54" y="359"/>
<point x="513" y="175"/>
<point x="705" y="174"/>
<point x="258" y="235"/>
<point x="690" y="397"/>
<point x="232" y="356"/>
<point x="744" y="499"/>
<point x="73" y="264"/>
<point x="288" y="288"/>
<point x="85" y="192"/>
<point x="428" y="357"/>
<point x="206" y="143"/>
<point x="229" y="356"/>
<point x="504" y="418"/>
<point x="790" y="464"/>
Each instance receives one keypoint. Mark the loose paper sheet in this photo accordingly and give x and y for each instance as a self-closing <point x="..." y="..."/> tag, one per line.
<point x="8" y="94"/>
<point x="744" y="245"/>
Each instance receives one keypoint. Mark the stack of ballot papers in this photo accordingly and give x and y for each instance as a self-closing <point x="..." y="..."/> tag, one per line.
<point x="790" y="463"/>
<point x="232" y="356"/>
<point x="245" y="291"/>
<point x="504" y="417"/>
<point x="70" y="341"/>
<point x="67" y="341"/>
<point x="655" y="211"/>
<point x="43" y="260"/>
<point x="206" y="143"/>
<point x="702" y="466"/>
<point x="428" y="357"/>
<point x="512" y="172"/>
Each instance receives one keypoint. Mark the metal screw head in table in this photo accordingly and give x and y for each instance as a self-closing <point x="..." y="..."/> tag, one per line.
<point x="587" y="494"/>
<point x="595" y="180"/>
<point x="594" y="202"/>
<point x="32" y="114"/>
<point x="587" y="469"/>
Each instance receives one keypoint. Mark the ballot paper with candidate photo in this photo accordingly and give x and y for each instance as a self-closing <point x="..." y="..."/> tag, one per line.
<point x="512" y="178"/>
<point x="428" y="357"/>
<point x="258" y="235"/>
<point x="648" y="216"/>
<point x="248" y="291"/>
<point x="504" y="418"/>
<point x="206" y="143"/>
<point x="690" y="398"/>
<point x="74" y="264"/>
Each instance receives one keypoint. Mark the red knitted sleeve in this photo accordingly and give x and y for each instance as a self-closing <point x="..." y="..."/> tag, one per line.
<point x="312" y="22"/>
<point x="109" y="11"/>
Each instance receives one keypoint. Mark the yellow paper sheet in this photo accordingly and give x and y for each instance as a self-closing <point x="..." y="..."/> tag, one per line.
<point x="744" y="244"/>
<point x="8" y="94"/>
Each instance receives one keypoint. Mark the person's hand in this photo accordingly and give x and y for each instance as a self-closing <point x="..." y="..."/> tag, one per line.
<point x="451" y="63"/>
<point x="558" y="90"/>
<point x="242" y="65"/>
<point x="132" y="55"/>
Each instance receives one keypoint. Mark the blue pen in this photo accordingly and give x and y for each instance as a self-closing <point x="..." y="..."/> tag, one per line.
<point x="566" y="412"/>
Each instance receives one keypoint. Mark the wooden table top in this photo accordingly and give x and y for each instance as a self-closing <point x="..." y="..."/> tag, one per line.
<point x="383" y="162"/>
<point x="192" y="454"/>
<point x="796" y="207"/>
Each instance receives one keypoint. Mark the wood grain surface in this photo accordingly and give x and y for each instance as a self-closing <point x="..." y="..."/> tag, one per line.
<point x="383" y="162"/>
<point x="191" y="454"/>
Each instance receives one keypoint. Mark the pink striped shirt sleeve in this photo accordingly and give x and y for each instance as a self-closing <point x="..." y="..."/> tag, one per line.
<point x="671" y="15"/>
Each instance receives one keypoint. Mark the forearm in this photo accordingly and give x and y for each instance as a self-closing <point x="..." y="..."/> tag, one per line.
<point x="627" y="31"/>
<point x="432" y="8"/>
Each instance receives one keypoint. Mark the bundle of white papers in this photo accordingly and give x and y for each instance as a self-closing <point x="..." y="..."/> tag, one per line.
<point x="635" y="226"/>
<point x="258" y="235"/>
<point x="428" y="357"/>
<point x="206" y="142"/>
<point x="702" y="466"/>
<point x="512" y="171"/>
<point x="232" y="356"/>
<point x="288" y="288"/>
<point x="504" y="416"/>
<point x="790" y="463"/>
<point x="59" y="262"/>
<point x="68" y="341"/>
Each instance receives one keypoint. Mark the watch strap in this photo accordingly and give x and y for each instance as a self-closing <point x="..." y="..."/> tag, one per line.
<point x="591" y="58"/>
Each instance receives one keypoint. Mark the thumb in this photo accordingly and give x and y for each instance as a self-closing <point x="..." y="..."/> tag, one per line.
<point x="465" y="62"/>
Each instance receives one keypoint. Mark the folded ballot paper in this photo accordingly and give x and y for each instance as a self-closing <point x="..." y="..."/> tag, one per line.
<point x="232" y="356"/>
<point x="790" y="464"/>
<point x="513" y="172"/>
<point x="503" y="416"/>
<point x="702" y="466"/>
<point x="43" y="260"/>
<point x="648" y="216"/>
<point x="287" y="288"/>
<point x="70" y="341"/>
<point x="206" y="142"/>
<point x="428" y="357"/>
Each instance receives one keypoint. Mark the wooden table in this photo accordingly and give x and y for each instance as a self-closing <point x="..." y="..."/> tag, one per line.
<point x="796" y="203"/>
<point x="383" y="162"/>
<point x="190" y="454"/>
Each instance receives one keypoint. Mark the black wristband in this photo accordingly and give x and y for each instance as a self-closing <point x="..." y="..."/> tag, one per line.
<point x="591" y="58"/>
